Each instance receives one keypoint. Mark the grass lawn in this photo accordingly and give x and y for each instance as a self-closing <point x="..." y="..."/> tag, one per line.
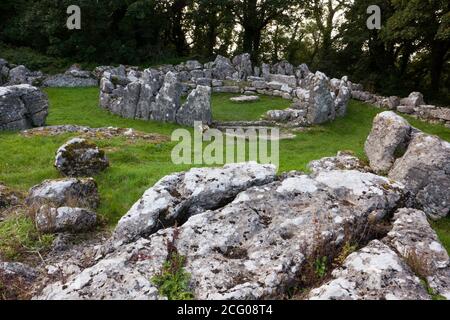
<point x="136" y="166"/>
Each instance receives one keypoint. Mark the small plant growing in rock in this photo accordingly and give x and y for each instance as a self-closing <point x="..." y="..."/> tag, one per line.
<point x="320" y="267"/>
<point x="173" y="280"/>
<point x="346" y="250"/>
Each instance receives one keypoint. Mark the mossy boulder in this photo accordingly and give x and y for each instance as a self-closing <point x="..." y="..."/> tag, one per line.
<point x="80" y="158"/>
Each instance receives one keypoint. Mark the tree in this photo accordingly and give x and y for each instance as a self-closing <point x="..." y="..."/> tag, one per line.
<point x="254" y="16"/>
<point x="426" y="25"/>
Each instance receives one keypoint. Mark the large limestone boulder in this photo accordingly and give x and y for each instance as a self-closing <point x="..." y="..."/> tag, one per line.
<point x="418" y="244"/>
<point x="252" y="248"/>
<point x="179" y="196"/>
<point x="388" y="139"/>
<point x="69" y="192"/>
<point x="78" y="158"/>
<point x="375" y="272"/>
<point x="425" y="171"/>
<point x="196" y="108"/>
<point x="22" y="107"/>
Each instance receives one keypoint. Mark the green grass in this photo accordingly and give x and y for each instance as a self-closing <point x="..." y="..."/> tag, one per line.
<point x="224" y="110"/>
<point x="136" y="166"/>
<point x="18" y="236"/>
<point x="442" y="228"/>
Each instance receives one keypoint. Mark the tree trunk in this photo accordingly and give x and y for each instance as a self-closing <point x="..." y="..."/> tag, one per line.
<point x="438" y="52"/>
<point x="177" y="28"/>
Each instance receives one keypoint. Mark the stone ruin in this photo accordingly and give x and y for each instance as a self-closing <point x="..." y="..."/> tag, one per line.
<point x="21" y="107"/>
<point x="154" y="94"/>
<point x="413" y="105"/>
<point x="11" y="74"/>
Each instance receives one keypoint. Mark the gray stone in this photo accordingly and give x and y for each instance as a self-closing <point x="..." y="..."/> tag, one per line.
<point x="193" y="65"/>
<point x="341" y="101"/>
<point x="73" y="77"/>
<point x="320" y="104"/>
<point x="283" y="68"/>
<point x="389" y="137"/>
<point x="425" y="171"/>
<point x="203" y="82"/>
<point x="291" y="81"/>
<point x="265" y="71"/>
<point x="415" y="99"/>
<point x="302" y="71"/>
<point x="179" y="196"/>
<point x="373" y="273"/>
<point x="361" y="95"/>
<point x="168" y="100"/>
<point x="195" y="74"/>
<point x="196" y="108"/>
<point x="294" y="117"/>
<point x="252" y="248"/>
<point x="222" y="68"/>
<point x="22" y="107"/>
<point x="441" y="113"/>
<point x="78" y="157"/>
<point x="64" y="219"/>
<point x="414" y="239"/>
<point x="342" y="161"/>
<point x="243" y="64"/>
<point x="406" y="109"/>
<point x="244" y="99"/>
<point x="69" y="192"/>
<point x="227" y="89"/>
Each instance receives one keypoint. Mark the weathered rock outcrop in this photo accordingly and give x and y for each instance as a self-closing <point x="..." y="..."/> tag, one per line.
<point x="388" y="139"/>
<point x="254" y="247"/>
<point x="78" y="158"/>
<point x="342" y="161"/>
<point x="22" y="107"/>
<point x="417" y="243"/>
<point x="425" y="171"/>
<point x="375" y="272"/>
<point x="179" y="196"/>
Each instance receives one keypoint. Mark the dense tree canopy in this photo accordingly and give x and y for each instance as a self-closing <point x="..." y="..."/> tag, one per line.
<point x="410" y="51"/>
